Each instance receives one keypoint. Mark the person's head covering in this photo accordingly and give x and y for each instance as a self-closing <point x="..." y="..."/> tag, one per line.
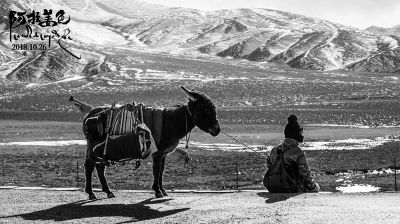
<point x="293" y="129"/>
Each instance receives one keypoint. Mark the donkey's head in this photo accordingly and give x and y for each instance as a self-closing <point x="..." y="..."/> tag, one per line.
<point x="203" y="112"/>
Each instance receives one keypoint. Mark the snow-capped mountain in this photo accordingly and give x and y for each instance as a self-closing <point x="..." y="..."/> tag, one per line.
<point x="252" y="34"/>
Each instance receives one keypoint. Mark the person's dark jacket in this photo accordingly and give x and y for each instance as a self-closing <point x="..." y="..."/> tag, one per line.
<point x="296" y="166"/>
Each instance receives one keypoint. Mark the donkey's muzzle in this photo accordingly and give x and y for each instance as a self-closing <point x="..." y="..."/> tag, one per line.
<point x="215" y="129"/>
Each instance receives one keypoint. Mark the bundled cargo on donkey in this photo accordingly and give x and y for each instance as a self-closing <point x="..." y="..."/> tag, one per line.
<point x="120" y="133"/>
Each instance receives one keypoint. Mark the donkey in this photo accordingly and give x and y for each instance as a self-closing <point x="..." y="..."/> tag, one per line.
<point x="178" y="122"/>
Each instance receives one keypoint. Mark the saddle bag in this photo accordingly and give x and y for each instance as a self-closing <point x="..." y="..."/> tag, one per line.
<point x="120" y="133"/>
<point x="124" y="147"/>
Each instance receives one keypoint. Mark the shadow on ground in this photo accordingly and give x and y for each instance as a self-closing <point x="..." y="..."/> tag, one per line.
<point x="83" y="209"/>
<point x="276" y="197"/>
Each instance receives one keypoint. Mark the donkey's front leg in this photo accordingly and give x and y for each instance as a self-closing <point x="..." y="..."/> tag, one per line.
<point x="104" y="186"/>
<point x="156" y="174"/>
<point x="160" y="178"/>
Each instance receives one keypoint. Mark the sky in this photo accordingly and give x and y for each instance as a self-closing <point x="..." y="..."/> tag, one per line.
<point x="356" y="13"/>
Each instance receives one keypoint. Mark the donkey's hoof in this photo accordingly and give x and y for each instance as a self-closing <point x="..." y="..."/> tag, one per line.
<point x="92" y="197"/>
<point x="164" y="193"/>
<point x="110" y="195"/>
<point x="159" y="195"/>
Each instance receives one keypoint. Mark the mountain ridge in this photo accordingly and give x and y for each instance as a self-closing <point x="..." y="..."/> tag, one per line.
<point x="394" y="31"/>
<point x="253" y="34"/>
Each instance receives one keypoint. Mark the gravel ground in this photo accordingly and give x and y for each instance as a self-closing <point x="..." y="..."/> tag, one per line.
<point x="43" y="206"/>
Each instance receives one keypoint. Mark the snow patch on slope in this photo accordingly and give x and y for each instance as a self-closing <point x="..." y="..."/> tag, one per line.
<point x="393" y="44"/>
<point x="89" y="33"/>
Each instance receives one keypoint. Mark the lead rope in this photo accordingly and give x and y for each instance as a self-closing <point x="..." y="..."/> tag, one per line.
<point x="238" y="141"/>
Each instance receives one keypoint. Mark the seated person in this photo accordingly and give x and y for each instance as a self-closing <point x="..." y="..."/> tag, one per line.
<point x="287" y="167"/>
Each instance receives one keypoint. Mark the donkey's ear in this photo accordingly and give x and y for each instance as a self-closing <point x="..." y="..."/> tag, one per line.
<point x="190" y="94"/>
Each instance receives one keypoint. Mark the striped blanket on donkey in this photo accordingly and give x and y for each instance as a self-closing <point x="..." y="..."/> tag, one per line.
<point x="127" y="135"/>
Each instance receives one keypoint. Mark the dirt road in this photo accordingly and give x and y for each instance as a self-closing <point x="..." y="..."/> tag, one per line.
<point x="27" y="206"/>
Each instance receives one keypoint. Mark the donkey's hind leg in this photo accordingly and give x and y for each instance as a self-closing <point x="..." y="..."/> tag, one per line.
<point x="104" y="186"/>
<point x="89" y="167"/>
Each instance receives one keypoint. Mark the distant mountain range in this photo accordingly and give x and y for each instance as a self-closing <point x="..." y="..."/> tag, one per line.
<point x="260" y="35"/>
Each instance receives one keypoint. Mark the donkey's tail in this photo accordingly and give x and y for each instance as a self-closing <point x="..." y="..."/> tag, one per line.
<point x="83" y="107"/>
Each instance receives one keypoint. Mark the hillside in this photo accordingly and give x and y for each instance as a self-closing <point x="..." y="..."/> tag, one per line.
<point x="394" y="31"/>
<point x="262" y="35"/>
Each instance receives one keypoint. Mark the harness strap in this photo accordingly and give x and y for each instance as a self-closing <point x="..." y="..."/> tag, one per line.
<point x="187" y="137"/>
<point x="104" y="160"/>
